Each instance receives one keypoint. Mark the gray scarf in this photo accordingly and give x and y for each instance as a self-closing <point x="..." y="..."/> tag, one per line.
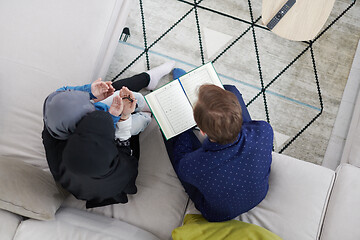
<point x="63" y="110"/>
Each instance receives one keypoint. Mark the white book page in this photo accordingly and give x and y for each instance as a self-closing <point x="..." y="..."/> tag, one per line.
<point x="194" y="79"/>
<point x="171" y="109"/>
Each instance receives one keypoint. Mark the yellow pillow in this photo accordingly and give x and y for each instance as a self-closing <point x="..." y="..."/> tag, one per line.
<point x="197" y="228"/>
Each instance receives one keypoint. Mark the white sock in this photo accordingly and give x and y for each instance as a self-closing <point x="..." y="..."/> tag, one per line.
<point x="157" y="73"/>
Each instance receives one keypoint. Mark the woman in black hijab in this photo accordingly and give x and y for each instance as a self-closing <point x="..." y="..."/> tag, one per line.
<point x="91" y="164"/>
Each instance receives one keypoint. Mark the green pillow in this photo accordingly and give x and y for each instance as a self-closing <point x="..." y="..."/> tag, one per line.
<point x="196" y="227"/>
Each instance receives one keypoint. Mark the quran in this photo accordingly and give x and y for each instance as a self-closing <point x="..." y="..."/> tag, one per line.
<point x="172" y="104"/>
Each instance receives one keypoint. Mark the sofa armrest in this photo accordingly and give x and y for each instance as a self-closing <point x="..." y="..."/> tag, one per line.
<point x="351" y="152"/>
<point x="344" y="142"/>
<point x="342" y="218"/>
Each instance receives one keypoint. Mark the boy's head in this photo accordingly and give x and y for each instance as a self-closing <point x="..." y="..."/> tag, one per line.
<point x="218" y="113"/>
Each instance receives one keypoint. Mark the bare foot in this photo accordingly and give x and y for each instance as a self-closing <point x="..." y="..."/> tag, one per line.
<point x="117" y="106"/>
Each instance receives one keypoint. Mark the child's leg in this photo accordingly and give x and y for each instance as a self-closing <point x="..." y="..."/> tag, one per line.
<point x="157" y="73"/>
<point x="140" y="101"/>
<point x="147" y="79"/>
<point x="178" y="72"/>
<point x="134" y="83"/>
<point x="140" y="121"/>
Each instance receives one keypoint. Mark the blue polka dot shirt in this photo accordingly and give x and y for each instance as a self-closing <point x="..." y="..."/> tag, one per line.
<point x="225" y="181"/>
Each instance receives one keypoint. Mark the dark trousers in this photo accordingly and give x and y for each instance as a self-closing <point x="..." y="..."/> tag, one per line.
<point x="134" y="83"/>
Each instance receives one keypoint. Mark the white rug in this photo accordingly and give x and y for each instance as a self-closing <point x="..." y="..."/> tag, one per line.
<point x="292" y="100"/>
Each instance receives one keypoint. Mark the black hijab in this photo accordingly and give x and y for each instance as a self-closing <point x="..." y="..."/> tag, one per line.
<point x="90" y="165"/>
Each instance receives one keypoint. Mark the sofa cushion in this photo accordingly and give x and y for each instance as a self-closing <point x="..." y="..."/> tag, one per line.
<point x="295" y="204"/>
<point x="27" y="190"/>
<point x="197" y="228"/>
<point x="342" y="220"/>
<point x="21" y="122"/>
<point x="160" y="202"/>
<point x="77" y="224"/>
<point x="45" y="45"/>
<point x="9" y="223"/>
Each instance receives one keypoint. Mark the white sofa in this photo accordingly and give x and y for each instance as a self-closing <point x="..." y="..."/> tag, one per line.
<point x="46" y="44"/>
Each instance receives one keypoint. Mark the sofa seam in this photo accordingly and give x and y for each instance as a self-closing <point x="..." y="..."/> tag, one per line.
<point x="326" y="205"/>
<point x="184" y="211"/>
<point x="39" y="214"/>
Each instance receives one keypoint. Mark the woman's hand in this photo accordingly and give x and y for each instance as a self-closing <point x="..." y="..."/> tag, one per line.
<point x="129" y="105"/>
<point x="101" y="90"/>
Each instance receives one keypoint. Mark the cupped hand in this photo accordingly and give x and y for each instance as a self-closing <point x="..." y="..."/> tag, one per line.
<point x="129" y="106"/>
<point x="101" y="90"/>
<point x="117" y="106"/>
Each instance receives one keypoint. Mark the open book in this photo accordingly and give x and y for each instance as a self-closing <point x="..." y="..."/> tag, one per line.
<point x="172" y="104"/>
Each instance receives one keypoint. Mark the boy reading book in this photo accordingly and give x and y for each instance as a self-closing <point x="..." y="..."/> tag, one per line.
<point x="228" y="173"/>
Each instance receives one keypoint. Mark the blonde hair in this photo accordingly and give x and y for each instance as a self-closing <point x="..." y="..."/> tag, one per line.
<point x="218" y="114"/>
